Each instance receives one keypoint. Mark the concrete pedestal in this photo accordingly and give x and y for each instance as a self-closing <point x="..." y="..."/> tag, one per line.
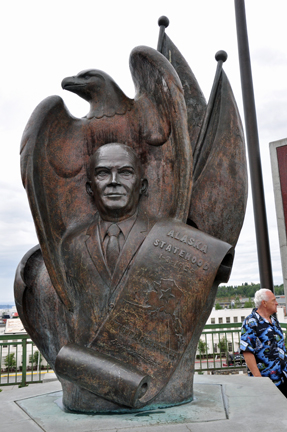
<point x="221" y="403"/>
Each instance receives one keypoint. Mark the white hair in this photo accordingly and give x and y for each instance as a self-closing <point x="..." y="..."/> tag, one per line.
<point x="261" y="295"/>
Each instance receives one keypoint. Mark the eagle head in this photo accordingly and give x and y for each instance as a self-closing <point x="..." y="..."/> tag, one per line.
<point x="101" y="91"/>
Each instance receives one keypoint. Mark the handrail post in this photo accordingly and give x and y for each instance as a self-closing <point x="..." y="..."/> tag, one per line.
<point x="24" y="363"/>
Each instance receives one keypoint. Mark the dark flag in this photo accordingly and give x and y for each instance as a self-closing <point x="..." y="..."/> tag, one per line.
<point x="194" y="99"/>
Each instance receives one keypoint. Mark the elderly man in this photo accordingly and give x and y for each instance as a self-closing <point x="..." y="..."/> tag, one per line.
<point x="262" y="341"/>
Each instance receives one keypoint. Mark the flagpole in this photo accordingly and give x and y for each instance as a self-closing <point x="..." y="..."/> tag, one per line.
<point x="262" y="239"/>
<point x="163" y="23"/>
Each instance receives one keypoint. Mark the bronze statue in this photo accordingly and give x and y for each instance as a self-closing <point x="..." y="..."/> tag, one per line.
<point x="137" y="207"/>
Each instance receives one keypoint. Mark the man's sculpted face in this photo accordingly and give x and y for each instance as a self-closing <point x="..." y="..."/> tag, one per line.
<point x="116" y="183"/>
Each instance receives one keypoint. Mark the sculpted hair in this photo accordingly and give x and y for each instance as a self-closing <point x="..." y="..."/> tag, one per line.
<point x="261" y="295"/>
<point x="128" y="149"/>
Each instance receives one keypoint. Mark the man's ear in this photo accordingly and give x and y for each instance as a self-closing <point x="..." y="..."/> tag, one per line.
<point x="144" y="187"/>
<point x="89" y="188"/>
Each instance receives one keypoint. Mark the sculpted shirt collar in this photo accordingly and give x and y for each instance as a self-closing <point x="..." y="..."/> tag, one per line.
<point x="125" y="227"/>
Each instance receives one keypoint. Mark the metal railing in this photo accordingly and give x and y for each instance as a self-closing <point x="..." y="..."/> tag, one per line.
<point x="218" y="350"/>
<point x="20" y="361"/>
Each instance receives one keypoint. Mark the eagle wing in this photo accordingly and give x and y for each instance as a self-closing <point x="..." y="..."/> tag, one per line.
<point x="53" y="168"/>
<point x="164" y="139"/>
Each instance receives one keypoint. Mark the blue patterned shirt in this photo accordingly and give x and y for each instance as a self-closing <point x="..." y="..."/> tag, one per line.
<point x="266" y="342"/>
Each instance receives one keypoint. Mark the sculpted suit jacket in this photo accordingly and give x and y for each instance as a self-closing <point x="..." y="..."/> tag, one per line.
<point x="89" y="278"/>
<point x="90" y="287"/>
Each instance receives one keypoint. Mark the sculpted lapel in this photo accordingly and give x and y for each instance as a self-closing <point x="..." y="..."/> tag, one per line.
<point x="93" y="244"/>
<point x="134" y="240"/>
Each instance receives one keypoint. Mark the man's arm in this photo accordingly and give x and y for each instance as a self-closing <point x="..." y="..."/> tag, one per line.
<point x="251" y="363"/>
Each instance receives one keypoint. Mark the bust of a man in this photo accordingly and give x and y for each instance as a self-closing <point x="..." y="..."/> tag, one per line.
<point x="116" y="181"/>
<point x="98" y="255"/>
<point x="116" y="185"/>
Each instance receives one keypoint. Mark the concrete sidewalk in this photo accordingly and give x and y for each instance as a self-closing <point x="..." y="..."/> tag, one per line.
<point x="221" y="403"/>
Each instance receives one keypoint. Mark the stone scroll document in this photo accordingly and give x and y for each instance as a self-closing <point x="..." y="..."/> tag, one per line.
<point x="102" y="375"/>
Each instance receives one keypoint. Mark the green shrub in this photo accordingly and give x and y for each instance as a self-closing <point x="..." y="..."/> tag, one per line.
<point x="202" y="347"/>
<point x="10" y="361"/>
<point x="34" y="358"/>
<point x="223" y="345"/>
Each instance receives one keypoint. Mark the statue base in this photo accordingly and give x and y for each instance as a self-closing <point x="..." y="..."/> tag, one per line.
<point x="220" y="403"/>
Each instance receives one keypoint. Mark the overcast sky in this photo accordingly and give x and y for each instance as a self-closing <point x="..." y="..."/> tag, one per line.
<point x="44" y="41"/>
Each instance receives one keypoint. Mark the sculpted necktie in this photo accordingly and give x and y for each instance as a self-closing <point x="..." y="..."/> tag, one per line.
<point x="113" y="247"/>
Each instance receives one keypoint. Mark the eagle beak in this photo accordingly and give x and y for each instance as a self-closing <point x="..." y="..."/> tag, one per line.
<point x="72" y="84"/>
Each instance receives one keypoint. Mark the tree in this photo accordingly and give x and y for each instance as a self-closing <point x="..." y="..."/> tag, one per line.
<point x="10" y="361"/>
<point x="249" y="303"/>
<point x="244" y="290"/>
<point x="202" y="347"/>
<point x="218" y="306"/>
<point x="34" y="358"/>
<point x="222" y="345"/>
<point x="237" y="303"/>
<point x="279" y="290"/>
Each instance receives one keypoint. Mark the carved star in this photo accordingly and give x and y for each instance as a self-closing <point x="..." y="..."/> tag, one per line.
<point x="166" y="295"/>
